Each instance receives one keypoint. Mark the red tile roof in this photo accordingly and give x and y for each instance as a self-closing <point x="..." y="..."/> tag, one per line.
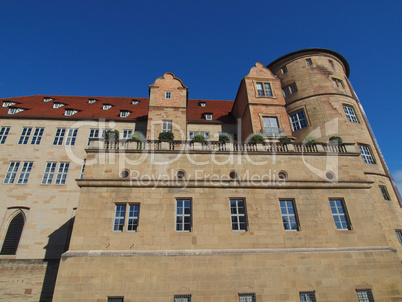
<point x="35" y="107"/>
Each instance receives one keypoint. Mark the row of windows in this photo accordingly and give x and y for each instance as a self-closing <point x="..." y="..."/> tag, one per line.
<point x="37" y="135"/>
<point x="26" y="168"/>
<point x="238" y="215"/>
<point x="364" y="295"/>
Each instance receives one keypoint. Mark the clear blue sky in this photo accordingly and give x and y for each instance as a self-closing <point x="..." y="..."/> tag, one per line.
<point x="118" y="48"/>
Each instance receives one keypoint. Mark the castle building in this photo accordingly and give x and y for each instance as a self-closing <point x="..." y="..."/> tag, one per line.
<point x="279" y="195"/>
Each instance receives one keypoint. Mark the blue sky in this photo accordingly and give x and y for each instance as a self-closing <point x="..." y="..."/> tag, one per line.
<point x="118" y="48"/>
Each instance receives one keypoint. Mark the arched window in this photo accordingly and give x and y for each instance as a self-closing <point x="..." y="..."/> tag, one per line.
<point x="13" y="235"/>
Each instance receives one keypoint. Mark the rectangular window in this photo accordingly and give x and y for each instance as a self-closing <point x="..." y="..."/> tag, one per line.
<point x="37" y="136"/>
<point x="365" y="295"/>
<point x="247" y="297"/>
<point x="338" y="83"/>
<point x="127" y="134"/>
<point x="115" y="299"/>
<point x="93" y="133"/>
<point x="298" y="120"/>
<point x="366" y="154"/>
<point x="3" y="134"/>
<point x="350" y="114"/>
<point x="167" y="126"/>
<point x="49" y="173"/>
<point x="307" y="297"/>
<point x="384" y="193"/>
<point x="183" y="215"/>
<point x="11" y="172"/>
<point x="339" y="213"/>
<point x="289" y="217"/>
<point x="238" y="215"/>
<point x="288" y="90"/>
<point x="208" y="116"/>
<point x="133" y="214"/>
<point x="124" y="113"/>
<point x="119" y="217"/>
<point x="59" y="137"/>
<point x="182" y="298"/>
<point x="57" y="105"/>
<point x="192" y="134"/>
<point x="25" y="172"/>
<point x="83" y="168"/>
<point x="399" y="235"/>
<point x="62" y="174"/>
<point x="26" y="132"/>
<point x="70" y="112"/>
<point x="271" y="126"/>
<point x="284" y="69"/>
<point x="71" y="137"/>
<point x="168" y="94"/>
<point x="264" y="89"/>
<point x="309" y="62"/>
<point x="106" y="106"/>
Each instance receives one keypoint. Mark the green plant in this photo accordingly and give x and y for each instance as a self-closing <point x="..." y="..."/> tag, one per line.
<point x="257" y="138"/>
<point x="309" y="139"/>
<point x="225" y="137"/>
<point x="198" y="137"/>
<point x="112" y="135"/>
<point x="285" y="139"/>
<point x="166" y="136"/>
<point x="137" y="136"/>
<point x="335" y="140"/>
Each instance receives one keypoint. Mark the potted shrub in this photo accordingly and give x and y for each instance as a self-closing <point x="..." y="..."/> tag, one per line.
<point x="335" y="140"/>
<point x="285" y="140"/>
<point x="225" y="137"/>
<point x="112" y="135"/>
<point x="198" y="137"/>
<point x="309" y="139"/>
<point x="256" y="138"/>
<point x="137" y="137"/>
<point x="166" y="136"/>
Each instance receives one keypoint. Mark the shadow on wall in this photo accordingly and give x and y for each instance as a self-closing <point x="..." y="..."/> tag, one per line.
<point x="59" y="242"/>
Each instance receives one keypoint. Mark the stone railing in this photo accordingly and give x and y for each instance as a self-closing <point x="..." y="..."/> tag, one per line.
<point x="216" y="146"/>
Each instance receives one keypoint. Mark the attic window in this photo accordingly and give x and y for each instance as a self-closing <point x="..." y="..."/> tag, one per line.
<point x="47" y="100"/>
<point x="124" y="113"/>
<point x="70" y="112"/>
<point x="14" y="110"/>
<point x="8" y="103"/>
<point x="203" y="104"/>
<point x="168" y="94"/>
<point x="106" y="106"/>
<point x="58" y="105"/>
<point x="208" y="116"/>
<point x="134" y="102"/>
<point x="91" y="101"/>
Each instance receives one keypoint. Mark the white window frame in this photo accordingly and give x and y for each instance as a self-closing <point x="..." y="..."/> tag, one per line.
<point x="25" y="172"/>
<point x="71" y="136"/>
<point x="350" y="113"/>
<point x="8" y="104"/>
<point x="366" y="154"/>
<point x="127" y="133"/>
<point x="25" y="134"/>
<point x="134" y="102"/>
<point x="58" y="105"/>
<point x="91" y="101"/>
<point x="238" y="225"/>
<point x="263" y="89"/>
<point x="106" y="106"/>
<point x="208" y="116"/>
<point x="192" y="133"/>
<point x="3" y="134"/>
<point x="270" y="129"/>
<point x="49" y="173"/>
<point x="307" y="296"/>
<point x="47" y="100"/>
<point x="168" y="94"/>
<point x="298" y="120"/>
<point x="288" y="212"/>
<point x="11" y="172"/>
<point x="124" y="113"/>
<point x="14" y="110"/>
<point x="119" y="217"/>
<point x="183" y="215"/>
<point x="340" y="214"/>
<point x="61" y="175"/>
<point x="37" y="136"/>
<point x="133" y="217"/>
<point x="93" y="133"/>
<point x="70" y="112"/>
<point x="166" y="126"/>
<point x="248" y="297"/>
<point x="365" y="295"/>
<point x="59" y="136"/>
<point x="203" y="104"/>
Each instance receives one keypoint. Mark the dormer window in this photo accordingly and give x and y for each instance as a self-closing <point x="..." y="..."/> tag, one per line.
<point x="168" y="94"/>
<point x="14" y="110"/>
<point x="134" y="102"/>
<point x="124" y="113"/>
<point x="47" y="100"/>
<point x="106" y="106"/>
<point x="58" y="105"/>
<point x="91" y="101"/>
<point x="203" y="104"/>
<point x="8" y="103"/>
<point x="70" y="112"/>
<point x="208" y="116"/>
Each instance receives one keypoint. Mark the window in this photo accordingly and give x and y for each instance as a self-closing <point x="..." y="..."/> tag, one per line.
<point x="298" y="120"/>
<point x="106" y="106"/>
<point x="91" y="101"/>
<point x="167" y="126"/>
<point x="62" y="173"/>
<point x="203" y="104"/>
<point x="264" y="89"/>
<point x="338" y="83"/>
<point x="37" y="136"/>
<point x="350" y="113"/>
<point x="8" y="103"/>
<point x="119" y="216"/>
<point x="168" y="94"/>
<point x="284" y="70"/>
<point x="127" y="134"/>
<point x="58" y="138"/>
<point x="26" y="132"/>
<point x="247" y="297"/>
<point x="307" y="297"/>
<point x="340" y="215"/>
<point x="192" y="134"/>
<point x="124" y="113"/>
<point x="271" y="126"/>
<point x="57" y="105"/>
<point x="47" y="100"/>
<point x="288" y="90"/>
<point x="11" y="172"/>
<point x="25" y="172"/>
<point x="309" y="62"/>
<point x="134" y="102"/>
<point x="289" y="217"/>
<point x="208" y="116"/>
<point x="49" y="173"/>
<point x="384" y="192"/>
<point x="365" y="295"/>
<point x="133" y="214"/>
<point x="182" y="298"/>
<point x="83" y="168"/>
<point x="93" y="133"/>
<point x="71" y="137"/>
<point x="238" y="215"/>
<point x="3" y="134"/>
<point x="332" y="64"/>
<point x="366" y="154"/>
<point x="14" y="110"/>
<point x="399" y="235"/>
<point x="70" y="112"/>
<point x="115" y="299"/>
<point x="13" y="235"/>
<point x="183" y="215"/>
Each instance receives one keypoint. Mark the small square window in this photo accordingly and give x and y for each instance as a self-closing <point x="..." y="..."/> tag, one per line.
<point x="203" y="104"/>
<point x="365" y="295"/>
<point x="384" y="193"/>
<point x="167" y="126"/>
<point x="307" y="296"/>
<point x="208" y="116"/>
<point x="309" y="62"/>
<point x="250" y="297"/>
<point x="298" y="120"/>
<point x="168" y="94"/>
<point x="263" y="89"/>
